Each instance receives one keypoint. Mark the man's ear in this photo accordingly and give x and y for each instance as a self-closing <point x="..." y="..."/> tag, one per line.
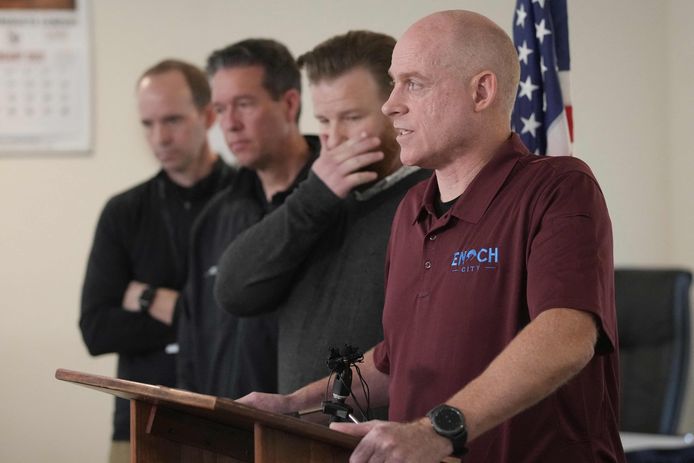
<point x="209" y="115"/>
<point x="292" y="100"/>
<point x="484" y="88"/>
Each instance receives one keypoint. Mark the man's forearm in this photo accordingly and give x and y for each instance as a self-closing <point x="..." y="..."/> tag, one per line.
<point x="109" y="329"/>
<point x="258" y="268"/>
<point x="546" y="354"/>
<point x="162" y="306"/>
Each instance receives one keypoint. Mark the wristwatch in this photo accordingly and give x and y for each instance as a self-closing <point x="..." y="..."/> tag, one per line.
<point x="449" y="422"/>
<point x="146" y="298"/>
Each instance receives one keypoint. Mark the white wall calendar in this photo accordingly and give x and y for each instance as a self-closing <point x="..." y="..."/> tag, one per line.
<point x="45" y="76"/>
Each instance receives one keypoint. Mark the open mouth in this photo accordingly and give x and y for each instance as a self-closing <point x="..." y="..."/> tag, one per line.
<point x="403" y="132"/>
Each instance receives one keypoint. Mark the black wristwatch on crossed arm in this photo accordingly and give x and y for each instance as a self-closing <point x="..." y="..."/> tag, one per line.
<point x="146" y="298"/>
<point x="449" y="422"/>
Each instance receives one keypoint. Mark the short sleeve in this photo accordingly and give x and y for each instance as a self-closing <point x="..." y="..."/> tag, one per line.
<point x="381" y="359"/>
<point x="570" y="261"/>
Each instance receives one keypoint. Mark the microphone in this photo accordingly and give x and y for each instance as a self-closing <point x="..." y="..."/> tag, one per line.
<point x="340" y="364"/>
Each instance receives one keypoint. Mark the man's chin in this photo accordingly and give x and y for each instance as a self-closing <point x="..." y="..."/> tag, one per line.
<point x="247" y="160"/>
<point x="408" y="158"/>
<point x="171" y="165"/>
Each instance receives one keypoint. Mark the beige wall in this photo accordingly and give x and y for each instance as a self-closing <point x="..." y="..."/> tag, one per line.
<point x="679" y="118"/>
<point x="633" y="101"/>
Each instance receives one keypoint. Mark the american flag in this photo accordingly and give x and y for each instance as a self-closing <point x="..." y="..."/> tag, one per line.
<point x="542" y="113"/>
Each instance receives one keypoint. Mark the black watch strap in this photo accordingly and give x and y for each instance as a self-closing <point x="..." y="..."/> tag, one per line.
<point x="146" y="298"/>
<point x="459" y="448"/>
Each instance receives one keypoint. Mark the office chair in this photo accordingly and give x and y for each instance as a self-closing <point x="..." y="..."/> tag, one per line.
<point x="653" y="323"/>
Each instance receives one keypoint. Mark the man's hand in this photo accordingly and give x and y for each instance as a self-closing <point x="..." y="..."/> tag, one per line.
<point x="339" y="167"/>
<point x="162" y="307"/>
<point x="389" y="442"/>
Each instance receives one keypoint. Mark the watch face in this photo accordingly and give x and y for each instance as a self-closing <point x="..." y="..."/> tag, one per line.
<point x="448" y="419"/>
<point x="449" y="422"/>
<point x="146" y="298"/>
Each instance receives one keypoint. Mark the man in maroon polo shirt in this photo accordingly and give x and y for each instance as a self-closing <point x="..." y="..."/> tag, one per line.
<point x="499" y="318"/>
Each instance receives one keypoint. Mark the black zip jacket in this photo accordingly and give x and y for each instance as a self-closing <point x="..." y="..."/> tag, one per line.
<point x="221" y="354"/>
<point x="142" y="235"/>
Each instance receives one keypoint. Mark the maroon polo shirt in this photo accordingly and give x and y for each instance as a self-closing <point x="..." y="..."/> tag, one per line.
<point x="529" y="234"/>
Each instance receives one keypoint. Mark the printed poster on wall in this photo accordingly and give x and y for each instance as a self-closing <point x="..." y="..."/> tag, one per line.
<point x="45" y="76"/>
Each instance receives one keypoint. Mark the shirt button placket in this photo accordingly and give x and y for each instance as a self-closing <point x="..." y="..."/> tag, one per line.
<point x="429" y="246"/>
<point x="428" y="255"/>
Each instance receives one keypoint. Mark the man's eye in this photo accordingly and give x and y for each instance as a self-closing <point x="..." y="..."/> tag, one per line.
<point x="172" y="120"/>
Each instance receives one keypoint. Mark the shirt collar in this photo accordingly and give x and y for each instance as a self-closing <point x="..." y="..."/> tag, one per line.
<point x="278" y="198"/>
<point x="203" y="188"/>
<point x="385" y="183"/>
<point x="473" y="203"/>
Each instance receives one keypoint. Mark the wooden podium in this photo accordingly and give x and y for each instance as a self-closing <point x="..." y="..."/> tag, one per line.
<point x="169" y="425"/>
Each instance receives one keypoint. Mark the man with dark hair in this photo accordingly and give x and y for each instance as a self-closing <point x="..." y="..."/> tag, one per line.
<point x="281" y="71"/>
<point x="256" y="93"/>
<point x="138" y="262"/>
<point x="317" y="261"/>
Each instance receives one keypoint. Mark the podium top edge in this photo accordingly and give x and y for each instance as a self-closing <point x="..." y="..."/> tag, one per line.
<point x="134" y="390"/>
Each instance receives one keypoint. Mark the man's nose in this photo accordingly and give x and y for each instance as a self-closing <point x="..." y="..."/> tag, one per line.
<point x="162" y="134"/>
<point x="230" y="121"/>
<point x="333" y="136"/>
<point x="394" y="106"/>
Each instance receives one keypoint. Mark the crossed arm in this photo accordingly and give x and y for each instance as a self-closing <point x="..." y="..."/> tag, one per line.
<point x="110" y="320"/>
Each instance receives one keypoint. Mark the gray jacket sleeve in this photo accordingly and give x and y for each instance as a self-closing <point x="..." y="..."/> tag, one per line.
<point x="257" y="270"/>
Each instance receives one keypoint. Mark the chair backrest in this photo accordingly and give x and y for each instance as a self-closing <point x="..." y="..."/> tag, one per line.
<point x="653" y="322"/>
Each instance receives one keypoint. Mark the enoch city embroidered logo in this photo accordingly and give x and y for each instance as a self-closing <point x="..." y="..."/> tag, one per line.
<point x="475" y="260"/>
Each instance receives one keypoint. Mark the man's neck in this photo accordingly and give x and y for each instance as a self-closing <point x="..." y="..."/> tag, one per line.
<point x="196" y="171"/>
<point x="454" y="178"/>
<point x="284" y="169"/>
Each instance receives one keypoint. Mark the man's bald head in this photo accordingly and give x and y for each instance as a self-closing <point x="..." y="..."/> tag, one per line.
<point x="471" y="43"/>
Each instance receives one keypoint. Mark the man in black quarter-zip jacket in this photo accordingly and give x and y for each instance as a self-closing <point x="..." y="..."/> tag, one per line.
<point x="138" y="261"/>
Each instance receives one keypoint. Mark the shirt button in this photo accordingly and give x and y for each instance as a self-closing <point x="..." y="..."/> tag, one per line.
<point x="427" y="265"/>
<point x="432" y="237"/>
